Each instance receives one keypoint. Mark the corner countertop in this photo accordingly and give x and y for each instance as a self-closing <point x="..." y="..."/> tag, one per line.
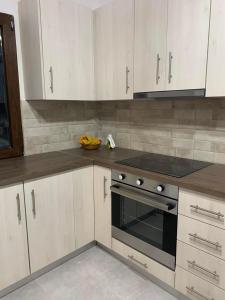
<point x="210" y="180"/>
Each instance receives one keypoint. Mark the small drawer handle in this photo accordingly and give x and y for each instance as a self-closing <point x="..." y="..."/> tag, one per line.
<point x="216" y="245"/>
<point x="33" y="203"/>
<point x="137" y="261"/>
<point x="203" y="270"/>
<point x="193" y="291"/>
<point x="199" y="209"/>
<point x="19" y="216"/>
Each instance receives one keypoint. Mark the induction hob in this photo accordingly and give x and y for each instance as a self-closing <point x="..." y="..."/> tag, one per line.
<point x="167" y="165"/>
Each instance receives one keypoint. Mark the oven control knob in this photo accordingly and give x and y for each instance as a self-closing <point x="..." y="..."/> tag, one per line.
<point x="160" y="188"/>
<point x="139" y="182"/>
<point x="121" y="176"/>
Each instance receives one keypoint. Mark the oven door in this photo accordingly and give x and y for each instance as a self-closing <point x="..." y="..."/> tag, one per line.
<point x="146" y="222"/>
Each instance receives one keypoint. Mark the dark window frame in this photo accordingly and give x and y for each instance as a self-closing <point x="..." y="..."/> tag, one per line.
<point x="12" y="87"/>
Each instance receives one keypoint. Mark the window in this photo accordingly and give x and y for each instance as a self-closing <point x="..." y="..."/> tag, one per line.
<point x="11" y="138"/>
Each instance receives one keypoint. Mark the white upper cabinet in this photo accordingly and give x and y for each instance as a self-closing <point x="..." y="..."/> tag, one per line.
<point x="58" y="51"/>
<point x="215" y="86"/>
<point x="150" y="45"/>
<point x="187" y="44"/>
<point x="114" y="34"/>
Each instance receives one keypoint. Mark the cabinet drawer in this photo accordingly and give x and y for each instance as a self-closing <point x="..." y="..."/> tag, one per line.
<point x="149" y="265"/>
<point x="202" y="236"/>
<point x="201" y="207"/>
<point x="196" y="288"/>
<point x="201" y="264"/>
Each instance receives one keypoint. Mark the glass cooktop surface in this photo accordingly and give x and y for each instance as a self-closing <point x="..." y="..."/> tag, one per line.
<point x="167" y="165"/>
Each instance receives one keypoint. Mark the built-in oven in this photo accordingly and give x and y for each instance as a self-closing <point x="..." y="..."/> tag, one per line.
<point x="144" y="216"/>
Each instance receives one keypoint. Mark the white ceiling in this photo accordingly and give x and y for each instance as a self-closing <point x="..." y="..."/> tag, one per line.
<point x="93" y="3"/>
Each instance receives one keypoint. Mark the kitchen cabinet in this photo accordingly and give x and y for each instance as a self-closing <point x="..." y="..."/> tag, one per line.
<point x="171" y="42"/>
<point x="14" y="259"/>
<point x="50" y="219"/>
<point x="215" y="86"/>
<point x="57" y="39"/>
<point x="150" y="45"/>
<point x="102" y="197"/>
<point x="84" y="206"/>
<point x="114" y="35"/>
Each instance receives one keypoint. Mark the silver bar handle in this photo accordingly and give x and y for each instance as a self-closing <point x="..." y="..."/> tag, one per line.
<point x="19" y="216"/>
<point x="51" y="80"/>
<point x="193" y="291"/>
<point x="131" y="257"/>
<point x="33" y="203"/>
<point x="157" y="69"/>
<point x="203" y="270"/>
<point x="105" y="188"/>
<point x="211" y="244"/>
<point x="127" y="79"/>
<point x="170" y="76"/>
<point x="198" y="208"/>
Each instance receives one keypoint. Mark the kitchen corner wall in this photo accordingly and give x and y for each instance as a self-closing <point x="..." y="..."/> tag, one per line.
<point x="185" y="128"/>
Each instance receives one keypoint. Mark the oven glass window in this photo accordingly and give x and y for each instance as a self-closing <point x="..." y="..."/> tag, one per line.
<point x="149" y="224"/>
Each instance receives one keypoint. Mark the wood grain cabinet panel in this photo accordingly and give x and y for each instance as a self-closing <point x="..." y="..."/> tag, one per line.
<point x="102" y="197"/>
<point x="84" y="206"/>
<point x="14" y="261"/>
<point x="50" y="219"/>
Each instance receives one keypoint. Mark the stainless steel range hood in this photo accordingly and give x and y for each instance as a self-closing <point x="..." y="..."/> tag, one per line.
<point x="171" y="94"/>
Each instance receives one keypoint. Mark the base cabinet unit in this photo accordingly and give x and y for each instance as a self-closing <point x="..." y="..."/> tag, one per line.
<point x="58" y="49"/>
<point x="50" y="219"/>
<point x="84" y="206"/>
<point x="14" y="261"/>
<point x="114" y="34"/>
<point x="102" y="196"/>
<point x="196" y="288"/>
<point x="147" y="264"/>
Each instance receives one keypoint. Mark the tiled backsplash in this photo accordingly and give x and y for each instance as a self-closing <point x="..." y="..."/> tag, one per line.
<point x="185" y="128"/>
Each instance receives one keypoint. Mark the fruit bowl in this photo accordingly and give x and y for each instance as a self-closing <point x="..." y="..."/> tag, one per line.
<point x="90" y="142"/>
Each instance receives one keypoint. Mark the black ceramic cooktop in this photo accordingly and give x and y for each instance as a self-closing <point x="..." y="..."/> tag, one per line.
<point x="167" y="165"/>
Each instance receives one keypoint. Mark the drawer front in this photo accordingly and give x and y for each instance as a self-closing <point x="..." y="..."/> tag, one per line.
<point x="149" y="265"/>
<point x="203" y="208"/>
<point x="196" y="288"/>
<point x="204" y="265"/>
<point x="202" y="236"/>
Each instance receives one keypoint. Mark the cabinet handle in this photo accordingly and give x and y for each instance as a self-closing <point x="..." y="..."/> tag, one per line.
<point x="105" y="188"/>
<point x="18" y="208"/>
<point x="131" y="257"/>
<point x="199" y="209"/>
<point x="127" y="79"/>
<point x="51" y="80"/>
<point x="216" y="245"/>
<point x="170" y="76"/>
<point x="193" y="291"/>
<point x="203" y="270"/>
<point x="33" y="203"/>
<point x="157" y="69"/>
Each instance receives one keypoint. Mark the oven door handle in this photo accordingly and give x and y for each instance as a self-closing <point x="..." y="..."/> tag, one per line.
<point x="140" y="198"/>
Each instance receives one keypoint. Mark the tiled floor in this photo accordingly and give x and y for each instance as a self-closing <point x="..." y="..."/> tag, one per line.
<point x="93" y="275"/>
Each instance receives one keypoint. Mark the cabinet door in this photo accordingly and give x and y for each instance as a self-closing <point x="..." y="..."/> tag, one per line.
<point x="84" y="206"/>
<point x="14" y="260"/>
<point x="215" y="86"/>
<point x="114" y="34"/>
<point x="102" y="196"/>
<point x="67" y="43"/>
<point x="150" y="45"/>
<point x="50" y="219"/>
<point x="187" y="43"/>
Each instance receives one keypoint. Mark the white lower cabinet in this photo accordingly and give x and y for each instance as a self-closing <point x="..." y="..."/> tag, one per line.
<point x="149" y="265"/>
<point x="50" y="219"/>
<point x="102" y="196"/>
<point x="14" y="262"/>
<point x="84" y="206"/>
<point x="196" y="288"/>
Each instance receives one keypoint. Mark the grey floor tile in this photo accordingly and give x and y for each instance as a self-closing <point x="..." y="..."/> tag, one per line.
<point x="93" y="275"/>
